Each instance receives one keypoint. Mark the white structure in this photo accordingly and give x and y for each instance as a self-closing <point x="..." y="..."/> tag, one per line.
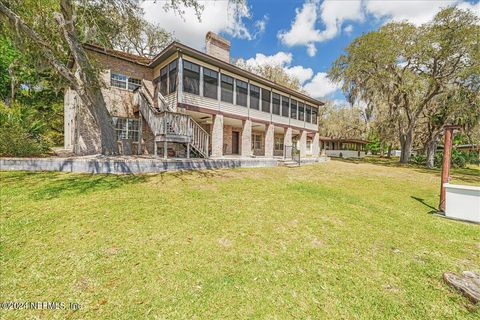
<point x="462" y="202"/>
<point x="343" y="148"/>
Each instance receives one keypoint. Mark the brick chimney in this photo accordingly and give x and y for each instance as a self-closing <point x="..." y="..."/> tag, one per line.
<point x="217" y="46"/>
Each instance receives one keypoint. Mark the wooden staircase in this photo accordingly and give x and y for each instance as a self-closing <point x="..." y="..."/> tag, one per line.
<point x="168" y="126"/>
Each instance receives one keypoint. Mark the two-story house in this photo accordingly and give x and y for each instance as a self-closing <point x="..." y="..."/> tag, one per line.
<point x="185" y="103"/>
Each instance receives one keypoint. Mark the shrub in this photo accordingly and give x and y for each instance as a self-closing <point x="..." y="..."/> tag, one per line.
<point x="418" y="159"/>
<point x="21" y="132"/>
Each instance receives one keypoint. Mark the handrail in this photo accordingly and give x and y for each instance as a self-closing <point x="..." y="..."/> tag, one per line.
<point x="291" y="152"/>
<point x="172" y="123"/>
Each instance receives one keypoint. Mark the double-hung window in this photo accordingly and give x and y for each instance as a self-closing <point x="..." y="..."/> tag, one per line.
<point x="164" y="81"/>
<point x="278" y="144"/>
<point x="285" y="106"/>
<point x="276" y="103"/>
<point x="256" y="141"/>
<point x="191" y="77"/>
<point x="172" y="76"/>
<point x="227" y="89"/>
<point x="242" y="92"/>
<point x="210" y="83"/>
<point x="124" y="82"/>
<point x="254" y="97"/>
<point x="301" y="112"/>
<point x="126" y="128"/>
<point x="293" y="109"/>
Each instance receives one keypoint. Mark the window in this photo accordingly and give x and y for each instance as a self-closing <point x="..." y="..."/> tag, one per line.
<point x="301" y="115"/>
<point x="210" y="83"/>
<point x="256" y="141"/>
<point x="164" y="81"/>
<point x="309" y="145"/>
<point x="126" y="128"/>
<point x="285" y="106"/>
<point x="265" y="100"/>
<point x="293" y="109"/>
<point x="308" y="113"/>
<point x="276" y="103"/>
<point x="172" y="76"/>
<point x="227" y="89"/>
<point x="191" y="77"/>
<point x="314" y="115"/>
<point x="124" y="82"/>
<point x="278" y="144"/>
<point x="254" y="97"/>
<point x="118" y="80"/>
<point x="134" y="83"/>
<point x="242" y="92"/>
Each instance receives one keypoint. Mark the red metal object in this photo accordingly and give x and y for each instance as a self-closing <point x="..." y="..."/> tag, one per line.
<point x="447" y="155"/>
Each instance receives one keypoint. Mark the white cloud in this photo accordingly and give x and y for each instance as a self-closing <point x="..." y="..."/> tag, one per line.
<point x="320" y="86"/>
<point x="280" y="58"/>
<point x="301" y="73"/>
<point x="348" y="29"/>
<point x="306" y="29"/>
<point x="217" y="16"/>
<point x="332" y="14"/>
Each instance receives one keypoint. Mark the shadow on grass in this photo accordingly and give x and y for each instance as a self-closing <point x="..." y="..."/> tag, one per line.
<point x="83" y="184"/>
<point x="422" y="201"/>
<point x="467" y="175"/>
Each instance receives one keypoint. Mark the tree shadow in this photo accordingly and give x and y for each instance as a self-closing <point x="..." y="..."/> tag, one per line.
<point x="422" y="201"/>
<point x="84" y="184"/>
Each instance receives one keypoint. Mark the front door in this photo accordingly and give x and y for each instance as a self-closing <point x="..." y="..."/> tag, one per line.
<point x="235" y="142"/>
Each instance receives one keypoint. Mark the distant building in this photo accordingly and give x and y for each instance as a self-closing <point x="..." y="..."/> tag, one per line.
<point x="343" y="148"/>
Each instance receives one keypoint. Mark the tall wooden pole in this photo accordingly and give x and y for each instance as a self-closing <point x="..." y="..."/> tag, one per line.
<point x="447" y="155"/>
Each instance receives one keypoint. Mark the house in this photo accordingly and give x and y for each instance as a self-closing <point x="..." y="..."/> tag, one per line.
<point x="343" y="148"/>
<point x="185" y="103"/>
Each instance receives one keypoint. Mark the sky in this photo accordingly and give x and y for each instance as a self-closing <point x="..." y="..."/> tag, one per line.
<point x="304" y="36"/>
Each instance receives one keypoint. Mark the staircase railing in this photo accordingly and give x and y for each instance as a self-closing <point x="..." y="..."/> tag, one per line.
<point x="172" y="123"/>
<point x="200" y="138"/>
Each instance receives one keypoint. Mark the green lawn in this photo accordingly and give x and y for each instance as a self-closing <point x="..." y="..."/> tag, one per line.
<point x="338" y="240"/>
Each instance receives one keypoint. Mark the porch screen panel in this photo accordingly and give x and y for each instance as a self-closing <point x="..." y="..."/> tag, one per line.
<point x="164" y="81"/>
<point x="172" y="75"/>
<point x="210" y="83"/>
<point x="242" y="92"/>
<point x="285" y="106"/>
<point x="276" y="103"/>
<point x="301" y="111"/>
<point x="266" y="100"/>
<point x="314" y="115"/>
<point x="227" y="89"/>
<point x="254" y="97"/>
<point x="293" y="109"/>
<point x="308" y="113"/>
<point x="191" y="77"/>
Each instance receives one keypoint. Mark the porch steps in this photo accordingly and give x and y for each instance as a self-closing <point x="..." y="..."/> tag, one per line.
<point x="288" y="163"/>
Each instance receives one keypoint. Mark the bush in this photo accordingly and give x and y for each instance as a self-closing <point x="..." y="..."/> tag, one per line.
<point x="22" y="133"/>
<point x="459" y="159"/>
<point x="418" y="159"/>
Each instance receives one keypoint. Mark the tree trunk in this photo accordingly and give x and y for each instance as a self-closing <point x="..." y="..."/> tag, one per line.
<point x="406" y="141"/>
<point x="382" y="149"/>
<point x="389" y="152"/>
<point x="430" y="149"/>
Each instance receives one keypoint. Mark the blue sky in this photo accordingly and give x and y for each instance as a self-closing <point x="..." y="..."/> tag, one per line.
<point x="305" y="37"/>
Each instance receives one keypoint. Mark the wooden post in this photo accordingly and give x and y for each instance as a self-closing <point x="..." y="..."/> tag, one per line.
<point x="447" y="155"/>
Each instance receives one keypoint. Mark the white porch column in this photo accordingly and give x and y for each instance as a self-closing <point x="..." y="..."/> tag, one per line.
<point x="302" y="144"/>
<point x="316" y="145"/>
<point x="287" y="142"/>
<point x="269" y="140"/>
<point x="246" y="138"/>
<point x="217" y="136"/>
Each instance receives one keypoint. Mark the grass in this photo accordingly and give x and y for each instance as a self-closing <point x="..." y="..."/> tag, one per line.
<point x="335" y="240"/>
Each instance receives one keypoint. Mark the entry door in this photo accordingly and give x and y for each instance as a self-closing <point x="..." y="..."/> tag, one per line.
<point x="235" y="142"/>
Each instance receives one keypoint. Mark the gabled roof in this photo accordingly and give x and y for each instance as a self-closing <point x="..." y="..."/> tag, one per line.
<point x="119" y="54"/>
<point x="177" y="46"/>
